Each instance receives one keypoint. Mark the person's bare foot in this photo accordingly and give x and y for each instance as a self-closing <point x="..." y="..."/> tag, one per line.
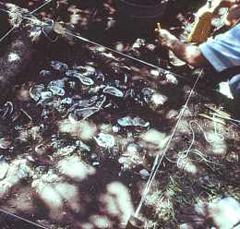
<point x="223" y="214"/>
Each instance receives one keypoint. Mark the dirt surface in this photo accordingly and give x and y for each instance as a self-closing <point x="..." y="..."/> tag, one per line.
<point x="79" y="138"/>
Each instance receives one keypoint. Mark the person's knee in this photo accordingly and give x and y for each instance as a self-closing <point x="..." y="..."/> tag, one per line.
<point x="234" y="84"/>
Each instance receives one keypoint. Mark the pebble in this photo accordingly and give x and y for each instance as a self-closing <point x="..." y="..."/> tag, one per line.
<point x="144" y="174"/>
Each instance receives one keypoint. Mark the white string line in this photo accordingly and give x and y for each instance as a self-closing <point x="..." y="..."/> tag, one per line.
<point x="158" y="160"/>
<point x="32" y="12"/>
<point x="44" y="4"/>
<point x="184" y="154"/>
<point x="123" y="54"/>
<point x="93" y="43"/>
<point x="37" y="21"/>
<point x="112" y="50"/>
<point x="23" y="219"/>
<point x="7" y="33"/>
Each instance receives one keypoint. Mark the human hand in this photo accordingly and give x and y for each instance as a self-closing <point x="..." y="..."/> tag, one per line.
<point x="165" y="38"/>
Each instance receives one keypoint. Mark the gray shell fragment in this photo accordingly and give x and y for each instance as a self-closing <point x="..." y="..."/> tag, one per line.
<point x="86" y="70"/>
<point x="45" y="95"/>
<point x="140" y="122"/>
<point x="101" y="101"/>
<point x="124" y="122"/>
<point x="57" y="90"/>
<point x="35" y="92"/>
<point x="84" y="80"/>
<point x="128" y="121"/>
<point x="147" y="93"/>
<point x="84" y="113"/>
<point x="45" y="73"/>
<point x="134" y="148"/>
<point x="57" y="83"/>
<point x="59" y="66"/>
<point x="7" y="110"/>
<point x="105" y="140"/>
<point x="113" y="91"/>
<point x="67" y="101"/>
<point x="71" y="72"/>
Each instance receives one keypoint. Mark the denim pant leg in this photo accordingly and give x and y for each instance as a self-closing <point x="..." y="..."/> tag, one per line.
<point x="234" y="84"/>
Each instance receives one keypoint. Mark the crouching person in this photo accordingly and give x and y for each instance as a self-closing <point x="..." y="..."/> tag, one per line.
<point x="222" y="52"/>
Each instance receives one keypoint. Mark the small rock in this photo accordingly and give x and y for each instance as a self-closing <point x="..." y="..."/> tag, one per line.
<point x="158" y="100"/>
<point x="144" y="174"/>
<point x="113" y="91"/>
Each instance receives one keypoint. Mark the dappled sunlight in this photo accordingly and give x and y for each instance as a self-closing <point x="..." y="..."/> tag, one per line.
<point x="70" y="195"/>
<point x="118" y="201"/>
<point x="232" y="157"/>
<point x="155" y="141"/>
<point x="79" y="17"/>
<point x="100" y="221"/>
<point x="133" y="155"/>
<point x="90" y="127"/>
<point x="172" y="114"/>
<point x="157" y="100"/>
<point x="184" y="127"/>
<point x="83" y="129"/>
<point x="218" y="144"/>
<point x="188" y="166"/>
<point x="75" y="169"/>
<point x="22" y="94"/>
<point x="226" y="212"/>
<point x="57" y="195"/>
<point x="12" y="175"/>
<point x="222" y="213"/>
<point x="51" y="199"/>
<point x="13" y="57"/>
<point x="106" y="128"/>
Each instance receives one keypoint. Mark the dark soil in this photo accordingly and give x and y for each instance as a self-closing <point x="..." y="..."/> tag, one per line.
<point x="82" y="159"/>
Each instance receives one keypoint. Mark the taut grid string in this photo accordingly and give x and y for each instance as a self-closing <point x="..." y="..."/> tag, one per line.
<point x="40" y="7"/>
<point x="40" y="23"/>
<point x="22" y="219"/>
<point x="14" y="27"/>
<point x="158" y="160"/>
<point x="7" y="33"/>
